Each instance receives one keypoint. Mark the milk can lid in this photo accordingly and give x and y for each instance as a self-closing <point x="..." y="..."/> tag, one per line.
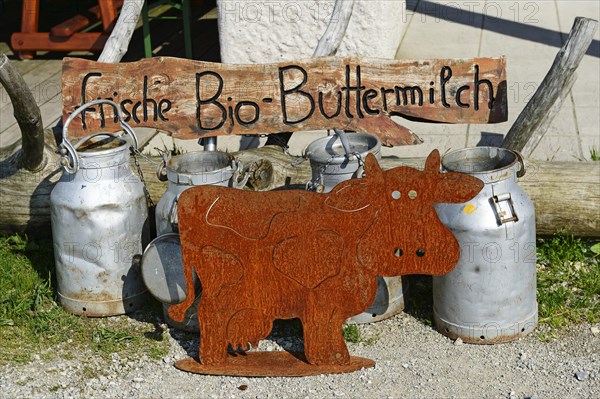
<point x="162" y="269"/>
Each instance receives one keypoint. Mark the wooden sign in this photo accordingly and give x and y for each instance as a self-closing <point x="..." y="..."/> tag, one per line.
<point x="294" y="253"/>
<point x="194" y="99"/>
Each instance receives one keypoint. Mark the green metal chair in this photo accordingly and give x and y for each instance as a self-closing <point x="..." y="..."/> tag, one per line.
<point x="184" y="7"/>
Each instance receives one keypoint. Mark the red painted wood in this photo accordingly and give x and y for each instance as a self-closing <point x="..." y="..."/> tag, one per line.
<point x="70" y="26"/>
<point x="63" y="37"/>
<point x="43" y="41"/>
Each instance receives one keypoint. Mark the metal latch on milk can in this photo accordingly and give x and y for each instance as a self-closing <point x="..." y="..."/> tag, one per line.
<point x="503" y="203"/>
<point x="504" y="206"/>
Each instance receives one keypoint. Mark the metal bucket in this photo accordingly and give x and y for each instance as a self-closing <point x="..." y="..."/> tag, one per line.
<point x="99" y="213"/>
<point x="490" y="297"/>
<point x="162" y="267"/>
<point x="334" y="160"/>
<point x="188" y="170"/>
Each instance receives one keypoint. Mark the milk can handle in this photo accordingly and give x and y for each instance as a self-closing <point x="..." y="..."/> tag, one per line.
<point x="72" y="152"/>
<point x="344" y="140"/>
<point x="521" y="170"/>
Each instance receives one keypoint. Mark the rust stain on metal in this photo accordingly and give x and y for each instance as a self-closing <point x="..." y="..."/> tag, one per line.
<point x="287" y="254"/>
<point x="483" y="340"/>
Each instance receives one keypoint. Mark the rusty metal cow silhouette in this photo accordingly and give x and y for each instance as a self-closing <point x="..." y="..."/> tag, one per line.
<point x="287" y="254"/>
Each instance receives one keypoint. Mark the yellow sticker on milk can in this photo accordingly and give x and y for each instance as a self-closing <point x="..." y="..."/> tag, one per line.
<point x="469" y="209"/>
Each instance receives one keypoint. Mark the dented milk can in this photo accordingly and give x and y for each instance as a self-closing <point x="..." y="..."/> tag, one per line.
<point x="162" y="266"/>
<point x="98" y="213"/>
<point x="490" y="297"/>
<point x="333" y="160"/>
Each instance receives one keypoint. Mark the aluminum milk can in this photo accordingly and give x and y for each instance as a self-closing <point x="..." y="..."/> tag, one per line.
<point x="99" y="213"/>
<point x="162" y="267"/>
<point x="335" y="159"/>
<point x="189" y="170"/>
<point x="490" y="297"/>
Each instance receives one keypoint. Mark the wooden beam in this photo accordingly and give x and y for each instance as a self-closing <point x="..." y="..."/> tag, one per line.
<point x="30" y="18"/>
<point x="565" y="194"/>
<point x="44" y="41"/>
<point x="108" y="11"/>
<point x="194" y="99"/>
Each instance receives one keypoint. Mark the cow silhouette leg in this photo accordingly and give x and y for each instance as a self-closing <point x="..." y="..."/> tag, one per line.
<point x="213" y="334"/>
<point x="338" y="345"/>
<point x="323" y="345"/>
<point x="316" y="349"/>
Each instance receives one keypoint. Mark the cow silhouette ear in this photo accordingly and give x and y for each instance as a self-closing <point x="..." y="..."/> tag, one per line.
<point x="372" y="168"/>
<point x="432" y="164"/>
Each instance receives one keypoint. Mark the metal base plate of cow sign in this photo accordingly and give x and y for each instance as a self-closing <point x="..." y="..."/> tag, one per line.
<point x="271" y="364"/>
<point x="300" y="254"/>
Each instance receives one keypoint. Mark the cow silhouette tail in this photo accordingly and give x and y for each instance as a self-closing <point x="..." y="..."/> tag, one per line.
<point x="177" y="312"/>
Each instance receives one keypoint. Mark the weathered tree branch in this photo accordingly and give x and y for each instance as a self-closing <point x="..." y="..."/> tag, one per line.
<point x="328" y="45"/>
<point x="26" y="113"/>
<point x="336" y="29"/>
<point x="533" y="122"/>
<point x="118" y="42"/>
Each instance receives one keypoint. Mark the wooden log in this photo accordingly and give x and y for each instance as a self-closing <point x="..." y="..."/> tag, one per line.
<point x="565" y="194"/>
<point x="25" y="195"/>
<point x="533" y="122"/>
<point x="26" y="113"/>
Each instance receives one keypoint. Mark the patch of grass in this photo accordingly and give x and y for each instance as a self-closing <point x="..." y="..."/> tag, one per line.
<point x="31" y="321"/>
<point x="562" y="247"/>
<point x="568" y="281"/>
<point x="594" y="154"/>
<point x="157" y="352"/>
<point x="352" y="334"/>
<point x="111" y="340"/>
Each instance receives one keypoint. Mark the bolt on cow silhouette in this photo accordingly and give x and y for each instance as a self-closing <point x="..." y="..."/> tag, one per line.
<point x="287" y="254"/>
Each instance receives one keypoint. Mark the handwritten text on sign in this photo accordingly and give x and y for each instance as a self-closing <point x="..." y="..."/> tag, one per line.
<point x="194" y="99"/>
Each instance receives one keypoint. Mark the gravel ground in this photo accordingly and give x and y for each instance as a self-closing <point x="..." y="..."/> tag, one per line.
<point x="413" y="361"/>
